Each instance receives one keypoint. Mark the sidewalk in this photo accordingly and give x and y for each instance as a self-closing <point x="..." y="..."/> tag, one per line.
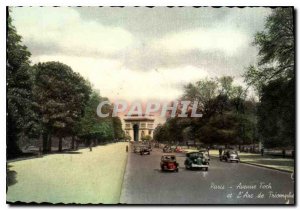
<point x="268" y="161"/>
<point x="83" y="178"/>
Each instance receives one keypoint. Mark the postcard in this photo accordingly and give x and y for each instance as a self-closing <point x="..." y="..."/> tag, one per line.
<point x="150" y="105"/>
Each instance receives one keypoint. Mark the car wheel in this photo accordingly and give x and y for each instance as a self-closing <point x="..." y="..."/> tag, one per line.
<point x="206" y="169"/>
<point x="177" y="170"/>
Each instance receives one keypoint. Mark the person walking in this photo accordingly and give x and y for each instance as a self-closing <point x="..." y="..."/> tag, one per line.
<point x="220" y="151"/>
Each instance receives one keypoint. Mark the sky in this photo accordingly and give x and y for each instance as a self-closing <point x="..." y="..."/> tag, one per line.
<point x="140" y="53"/>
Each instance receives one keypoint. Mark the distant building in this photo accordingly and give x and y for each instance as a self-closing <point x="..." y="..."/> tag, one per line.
<point x="138" y="126"/>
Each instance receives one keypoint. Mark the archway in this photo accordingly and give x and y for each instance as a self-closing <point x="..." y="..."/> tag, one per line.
<point x="135" y="132"/>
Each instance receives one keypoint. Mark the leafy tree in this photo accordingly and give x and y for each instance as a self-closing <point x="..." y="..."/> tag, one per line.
<point x="61" y="96"/>
<point x="276" y="114"/>
<point x="91" y="127"/>
<point x="146" y="138"/>
<point x="276" y="46"/>
<point x="21" y="118"/>
<point x="274" y="78"/>
<point x="161" y="133"/>
<point x="117" y="125"/>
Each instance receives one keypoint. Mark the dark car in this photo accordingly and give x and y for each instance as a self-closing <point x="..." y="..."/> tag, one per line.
<point x="230" y="156"/>
<point x="169" y="163"/>
<point x="167" y="149"/>
<point x="144" y="151"/>
<point x="196" y="160"/>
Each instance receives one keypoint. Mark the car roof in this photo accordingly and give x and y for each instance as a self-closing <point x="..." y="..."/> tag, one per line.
<point x="168" y="156"/>
<point x="193" y="152"/>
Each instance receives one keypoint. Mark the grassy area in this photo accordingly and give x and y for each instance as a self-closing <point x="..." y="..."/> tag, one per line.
<point x="79" y="177"/>
<point x="275" y="162"/>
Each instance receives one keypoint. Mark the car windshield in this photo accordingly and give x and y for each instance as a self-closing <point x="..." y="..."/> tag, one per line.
<point x="233" y="152"/>
<point x="196" y="155"/>
<point x="169" y="158"/>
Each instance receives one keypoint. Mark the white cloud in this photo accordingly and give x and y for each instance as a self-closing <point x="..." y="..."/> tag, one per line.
<point x="224" y="39"/>
<point x="63" y="28"/>
<point x="116" y="82"/>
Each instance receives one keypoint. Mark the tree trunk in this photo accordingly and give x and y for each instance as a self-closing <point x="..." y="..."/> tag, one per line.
<point x="49" y="143"/>
<point x="60" y="144"/>
<point x="45" y="142"/>
<point x="73" y="143"/>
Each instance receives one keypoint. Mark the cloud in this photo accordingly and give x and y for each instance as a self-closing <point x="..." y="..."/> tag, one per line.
<point x="142" y="53"/>
<point x="223" y="39"/>
<point x="117" y="82"/>
<point x="61" y="29"/>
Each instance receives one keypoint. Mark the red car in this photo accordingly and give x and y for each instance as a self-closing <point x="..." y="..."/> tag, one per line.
<point x="169" y="163"/>
<point x="178" y="149"/>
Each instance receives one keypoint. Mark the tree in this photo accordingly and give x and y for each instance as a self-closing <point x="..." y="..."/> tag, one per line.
<point x="61" y="96"/>
<point x="276" y="46"/>
<point x="91" y="127"/>
<point x="21" y="118"/>
<point x="161" y="133"/>
<point x="146" y="138"/>
<point x="118" y="131"/>
<point x="274" y="78"/>
<point x="276" y="121"/>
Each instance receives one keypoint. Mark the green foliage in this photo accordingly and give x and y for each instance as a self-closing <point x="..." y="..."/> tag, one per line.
<point x="227" y="115"/>
<point x="61" y="96"/>
<point x="161" y="133"/>
<point x="276" y="49"/>
<point x="21" y="119"/>
<point x="274" y="78"/>
<point x="118" y="131"/>
<point x="276" y="114"/>
<point x="50" y="99"/>
<point x="92" y="127"/>
<point x="146" y="138"/>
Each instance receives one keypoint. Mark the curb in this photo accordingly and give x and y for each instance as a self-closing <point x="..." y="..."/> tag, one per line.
<point x="125" y="175"/>
<point x="258" y="165"/>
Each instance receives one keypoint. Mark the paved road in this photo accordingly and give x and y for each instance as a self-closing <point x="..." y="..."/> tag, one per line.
<point x="144" y="183"/>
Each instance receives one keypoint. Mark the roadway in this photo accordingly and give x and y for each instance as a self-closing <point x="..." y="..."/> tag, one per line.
<point x="223" y="183"/>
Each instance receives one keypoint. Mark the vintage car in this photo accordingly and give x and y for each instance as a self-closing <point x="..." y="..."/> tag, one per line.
<point x="230" y="156"/>
<point x="178" y="149"/>
<point x="144" y="151"/>
<point x="169" y="163"/>
<point x="173" y="147"/>
<point x="196" y="160"/>
<point x="167" y="149"/>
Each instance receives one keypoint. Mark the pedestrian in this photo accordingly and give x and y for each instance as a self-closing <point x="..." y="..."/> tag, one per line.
<point x="220" y="151"/>
<point x="262" y="151"/>
<point x="283" y="153"/>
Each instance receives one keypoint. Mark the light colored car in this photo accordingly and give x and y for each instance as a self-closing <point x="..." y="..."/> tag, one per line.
<point x="230" y="156"/>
